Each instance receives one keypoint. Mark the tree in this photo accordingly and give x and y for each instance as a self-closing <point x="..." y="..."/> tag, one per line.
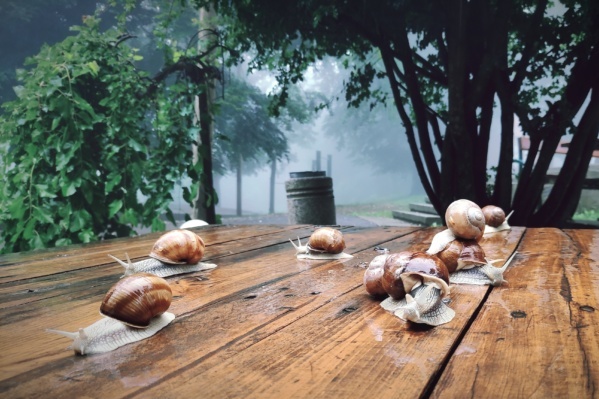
<point x="246" y="133"/>
<point x="90" y="133"/>
<point x="451" y="65"/>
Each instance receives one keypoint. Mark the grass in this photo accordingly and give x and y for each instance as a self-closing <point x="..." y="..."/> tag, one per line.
<point x="379" y="209"/>
<point x="587" y="214"/>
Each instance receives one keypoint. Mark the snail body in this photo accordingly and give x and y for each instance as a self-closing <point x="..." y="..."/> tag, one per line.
<point x="108" y="334"/>
<point x="175" y="252"/>
<point x="416" y="283"/>
<point x="135" y="308"/>
<point x="324" y="243"/>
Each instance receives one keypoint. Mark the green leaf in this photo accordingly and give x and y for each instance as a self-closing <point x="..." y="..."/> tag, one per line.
<point x="69" y="189"/>
<point x="42" y="216"/>
<point x="93" y="67"/>
<point x="114" y="207"/>
<point x="43" y="191"/>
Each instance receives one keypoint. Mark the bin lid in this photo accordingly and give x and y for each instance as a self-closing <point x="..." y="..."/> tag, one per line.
<point x="295" y="175"/>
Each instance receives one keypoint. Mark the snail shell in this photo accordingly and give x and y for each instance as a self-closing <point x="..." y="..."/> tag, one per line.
<point x="135" y="308"/>
<point x="494" y="215"/>
<point x="324" y="243"/>
<point x="373" y="276"/>
<point x="137" y="299"/>
<point x="404" y="270"/>
<point x="462" y="254"/>
<point x="417" y="283"/>
<point x="465" y="219"/>
<point x="326" y="239"/>
<point x="179" y="247"/>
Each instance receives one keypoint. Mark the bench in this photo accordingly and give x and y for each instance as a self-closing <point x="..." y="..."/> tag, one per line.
<point x="590" y="183"/>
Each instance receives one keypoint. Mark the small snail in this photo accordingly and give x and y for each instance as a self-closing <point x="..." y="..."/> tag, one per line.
<point x="135" y="309"/>
<point x="467" y="264"/>
<point x="495" y="219"/>
<point x="417" y="283"/>
<point x="175" y="252"/>
<point x="324" y="243"/>
<point x="465" y="219"/>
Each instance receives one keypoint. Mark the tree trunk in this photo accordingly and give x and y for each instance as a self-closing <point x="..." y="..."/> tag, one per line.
<point x="206" y="198"/>
<point x="239" y="175"/>
<point x="273" y="173"/>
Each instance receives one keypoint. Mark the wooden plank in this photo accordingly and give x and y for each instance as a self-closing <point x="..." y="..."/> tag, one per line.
<point x="107" y="271"/>
<point x="14" y="267"/>
<point x="233" y="281"/>
<point x="538" y="336"/>
<point x="348" y="347"/>
<point x="246" y="322"/>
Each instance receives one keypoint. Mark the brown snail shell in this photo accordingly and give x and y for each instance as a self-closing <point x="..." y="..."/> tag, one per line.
<point x="326" y="239"/>
<point x="179" y="247"/>
<point x="135" y="300"/>
<point x="373" y="276"/>
<point x="465" y="219"/>
<point x="404" y="270"/>
<point x="494" y="215"/>
<point x="462" y="254"/>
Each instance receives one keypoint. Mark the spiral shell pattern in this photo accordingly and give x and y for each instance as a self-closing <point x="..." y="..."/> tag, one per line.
<point x="135" y="300"/>
<point x="179" y="247"/>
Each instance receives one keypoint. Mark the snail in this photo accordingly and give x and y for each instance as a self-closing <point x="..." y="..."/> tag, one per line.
<point x="324" y="243"/>
<point x="175" y="252"/>
<point x="416" y="283"/>
<point x="135" y="309"/>
<point x="495" y="219"/>
<point x="485" y="274"/>
<point x="467" y="264"/>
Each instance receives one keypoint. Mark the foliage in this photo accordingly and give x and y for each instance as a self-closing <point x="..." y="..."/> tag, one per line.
<point x="451" y="65"/>
<point x="245" y="129"/>
<point x="87" y="138"/>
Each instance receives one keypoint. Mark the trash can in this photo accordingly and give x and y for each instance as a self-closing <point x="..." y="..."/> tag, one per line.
<point x="310" y="198"/>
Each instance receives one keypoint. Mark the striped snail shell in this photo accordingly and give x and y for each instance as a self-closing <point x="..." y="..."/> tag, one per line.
<point x="135" y="300"/>
<point x="135" y="308"/>
<point x="465" y="219"/>
<point x="179" y="247"/>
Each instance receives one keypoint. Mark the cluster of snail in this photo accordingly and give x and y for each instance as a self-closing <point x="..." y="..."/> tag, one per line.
<point x="135" y="308"/>
<point x="417" y="283"/>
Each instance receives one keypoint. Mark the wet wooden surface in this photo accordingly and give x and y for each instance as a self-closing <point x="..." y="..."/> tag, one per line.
<point x="266" y="325"/>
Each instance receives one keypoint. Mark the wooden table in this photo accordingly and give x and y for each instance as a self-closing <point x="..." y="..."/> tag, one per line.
<point x="266" y="325"/>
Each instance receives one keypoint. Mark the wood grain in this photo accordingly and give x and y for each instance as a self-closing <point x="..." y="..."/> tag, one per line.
<point x="538" y="337"/>
<point x="235" y="279"/>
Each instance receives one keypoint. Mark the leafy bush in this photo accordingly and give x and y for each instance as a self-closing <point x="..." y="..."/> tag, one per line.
<point x="88" y="137"/>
